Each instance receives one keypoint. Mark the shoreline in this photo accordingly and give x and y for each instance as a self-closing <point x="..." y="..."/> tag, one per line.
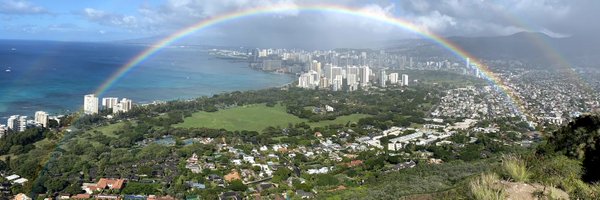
<point x="66" y="112"/>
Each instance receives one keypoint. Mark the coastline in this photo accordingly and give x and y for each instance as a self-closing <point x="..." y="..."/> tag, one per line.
<point x="70" y="110"/>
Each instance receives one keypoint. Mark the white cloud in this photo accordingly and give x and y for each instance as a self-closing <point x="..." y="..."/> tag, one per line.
<point x="435" y="21"/>
<point x="20" y="7"/>
<point x="111" y="19"/>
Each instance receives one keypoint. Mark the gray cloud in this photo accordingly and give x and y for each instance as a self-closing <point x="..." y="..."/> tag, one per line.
<point x="446" y="17"/>
<point x="20" y="7"/>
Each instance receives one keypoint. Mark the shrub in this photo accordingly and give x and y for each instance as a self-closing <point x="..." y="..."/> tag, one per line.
<point x="515" y="168"/>
<point x="557" y="170"/>
<point x="553" y="193"/>
<point x="486" y="187"/>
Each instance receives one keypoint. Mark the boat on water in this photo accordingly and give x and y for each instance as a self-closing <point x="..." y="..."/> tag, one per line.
<point x="8" y="70"/>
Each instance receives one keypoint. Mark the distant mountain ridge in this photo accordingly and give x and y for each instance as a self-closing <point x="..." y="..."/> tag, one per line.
<point x="527" y="46"/>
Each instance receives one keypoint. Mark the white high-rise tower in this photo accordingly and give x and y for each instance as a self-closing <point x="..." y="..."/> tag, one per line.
<point x="468" y="63"/>
<point x="41" y="117"/>
<point x="90" y="104"/>
<point x="123" y="106"/>
<point x="109" y="102"/>
<point x="364" y="75"/>
<point x="13" y="122"/>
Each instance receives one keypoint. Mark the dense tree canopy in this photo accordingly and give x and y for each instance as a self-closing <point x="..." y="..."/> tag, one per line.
<point x="580" y="139"/>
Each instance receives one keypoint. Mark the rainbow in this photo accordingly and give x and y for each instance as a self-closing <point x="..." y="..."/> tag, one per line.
<point x="277" y="8"/>
<point x="550" y="52"/>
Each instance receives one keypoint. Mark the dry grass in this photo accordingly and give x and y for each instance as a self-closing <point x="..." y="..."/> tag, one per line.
<point x="553" y="193"/>
<point x="515" y="168"/>
<point x="487" y="187"/>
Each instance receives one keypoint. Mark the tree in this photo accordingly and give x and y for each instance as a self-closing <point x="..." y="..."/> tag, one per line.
<point x="73" y="189"/>
<point x="579" y="140"/>
<point x="237" y="185"/>
<point x="326" y="180"/>
<point x="283" y="173"/>
<point x="375" y="163"/>
<point x="53" y="123"/>
<point x="471" y="152"/>
<point x="302" y="186"/>
<point x="55" y="184"/>
<point x="140" y="188"/>
<point x="3" y="165"/>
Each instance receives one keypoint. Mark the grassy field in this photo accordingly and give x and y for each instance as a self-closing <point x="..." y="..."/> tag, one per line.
<point x="41" y="143"/>
<point x="254" y="118"/>
<point x="109" y="130"/>
<point x="340" y="120"/>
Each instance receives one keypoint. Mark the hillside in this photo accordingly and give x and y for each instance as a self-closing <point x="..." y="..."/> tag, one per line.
<point x="315" y="155"/>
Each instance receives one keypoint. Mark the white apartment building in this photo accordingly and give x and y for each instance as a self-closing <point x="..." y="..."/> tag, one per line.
<point x="90" y="104"/>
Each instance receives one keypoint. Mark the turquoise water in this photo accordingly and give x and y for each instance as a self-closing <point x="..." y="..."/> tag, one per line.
<point x="54" y="76"/>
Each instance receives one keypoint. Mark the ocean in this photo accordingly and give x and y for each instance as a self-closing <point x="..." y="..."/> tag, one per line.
<point x="54" y="76"/>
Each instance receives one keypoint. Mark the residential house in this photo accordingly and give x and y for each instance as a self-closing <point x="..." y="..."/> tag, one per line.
<point x="21" y="196"/>
<point x="265" y="186"/>
<point x="81" y="196"/>
<point x="304" y="195"/>
<point x="230" y="196"/>
<point x="322" y="170"/>
<point x="154" y="197"/>
<point x="192" y="164"/>
<point x="104" y="183"/>
<point x="354" y="163"/>
<point x="107" y="197"/>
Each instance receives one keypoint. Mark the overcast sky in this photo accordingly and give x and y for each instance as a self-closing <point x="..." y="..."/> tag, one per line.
<point x="107" y="20"/>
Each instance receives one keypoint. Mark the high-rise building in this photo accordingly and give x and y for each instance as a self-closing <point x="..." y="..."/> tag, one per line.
<point x="364" y="75"/>
<point x="22" y="123"/>
<point x="382" y="78"/>
<point x="41" y="118"/>
<point x="352" y="79"/>
<point x="353" y="70"/>
<point x="3" y="130"/>
<point x="109" y="102"/>
<point x="255" y="53"/>
<point x="327" y="72"/>
<point x="393" y="77"/>
<point x="262" y="53"/>
<point x="335" y="71"/>
<point x="271" y="64"/>
<point x="309" y="80"/>
<point x="314" y="79"/>
<point x="123" y="106"/>
<point x="13" y="122"/>
<point x="90" y="104"/>
<point x="316" y="66"/>
<point x="324" y="83"/>
<point x="468" y="63"/>
<point x="352" y="82"/>
<point x="303" y="80"/>
<point x="337" y="83"/>
<point x="404" y="80"/>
